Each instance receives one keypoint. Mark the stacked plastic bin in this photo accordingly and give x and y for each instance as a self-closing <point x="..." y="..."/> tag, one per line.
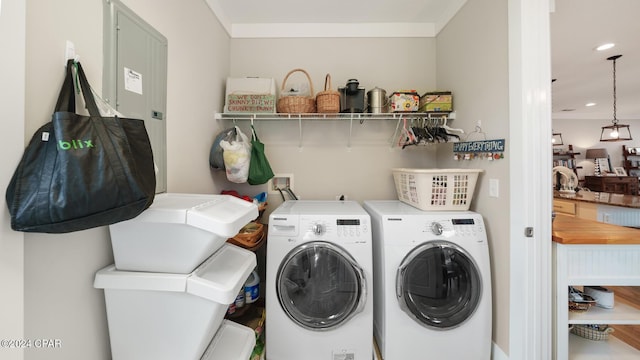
<point x="174" y="277"/>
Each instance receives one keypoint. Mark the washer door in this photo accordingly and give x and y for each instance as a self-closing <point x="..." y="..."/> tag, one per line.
<point x="439" y="285"/>
<point x="320" y="286"/>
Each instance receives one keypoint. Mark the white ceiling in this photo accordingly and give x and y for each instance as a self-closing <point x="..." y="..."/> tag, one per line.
<point x="583" y="74"/>
<point x="334" y="18"/>
<point x="577" y="27"/>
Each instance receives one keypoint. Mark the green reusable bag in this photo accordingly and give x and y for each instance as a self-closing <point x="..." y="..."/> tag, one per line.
<point x="259" y="169"/>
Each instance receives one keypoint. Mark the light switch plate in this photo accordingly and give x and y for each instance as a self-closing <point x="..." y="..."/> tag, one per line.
<point x="494" y="188"/>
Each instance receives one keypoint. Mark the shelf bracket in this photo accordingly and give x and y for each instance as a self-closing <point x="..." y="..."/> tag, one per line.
<point x="299" y="133"/>
<point x="394" y="137"/>
<point x="350" y="132"/>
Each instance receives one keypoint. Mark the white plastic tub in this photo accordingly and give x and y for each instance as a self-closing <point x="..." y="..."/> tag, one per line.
<point x="171" y="316"/>
<point x="232" y="342"/>
<point x="178" y="232"/>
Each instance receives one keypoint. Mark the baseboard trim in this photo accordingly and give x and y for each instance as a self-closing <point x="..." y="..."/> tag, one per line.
<point x="497" y="353"/>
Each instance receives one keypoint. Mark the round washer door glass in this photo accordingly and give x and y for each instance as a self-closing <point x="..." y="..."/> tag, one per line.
<point x="320" y="286"/>
<point x="439" y="285"/>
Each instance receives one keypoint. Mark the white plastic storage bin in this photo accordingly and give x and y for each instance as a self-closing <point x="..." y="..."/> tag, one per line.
<point x="171" y="316"/>
<point x="436" y="189"/>
<point x="232" y="342"/>
<point x="178" y="232"/>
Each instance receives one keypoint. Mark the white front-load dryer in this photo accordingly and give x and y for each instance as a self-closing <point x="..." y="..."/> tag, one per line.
<point x="319" y="280"/>
<point x="432" y="283"/>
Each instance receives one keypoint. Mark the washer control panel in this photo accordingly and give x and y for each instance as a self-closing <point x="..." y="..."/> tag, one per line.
<point x="347" y="229"/>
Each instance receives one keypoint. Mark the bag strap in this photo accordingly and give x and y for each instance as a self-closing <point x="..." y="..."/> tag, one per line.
<point x="111" y="149"/>
<point x="254" y="136"/>
<point x="89" y="100"/>
<point x="67" y="99"/>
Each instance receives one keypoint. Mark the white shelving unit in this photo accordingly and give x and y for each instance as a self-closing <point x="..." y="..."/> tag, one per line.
<point x="604" y="265"/>
<point x="339" y="116"/>
<point x="349" y="118"/>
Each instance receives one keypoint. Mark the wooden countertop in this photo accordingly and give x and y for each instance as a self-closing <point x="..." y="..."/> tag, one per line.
<point x="571" y="230"/>
<point x="629" y="201"/>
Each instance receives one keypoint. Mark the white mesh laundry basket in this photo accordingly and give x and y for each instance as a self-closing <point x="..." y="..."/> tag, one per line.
<point x="436" y="189"/>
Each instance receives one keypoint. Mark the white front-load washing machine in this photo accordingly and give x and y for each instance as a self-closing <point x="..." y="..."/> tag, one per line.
<point x="319" y="279"/>
<point x="432" y="283"/>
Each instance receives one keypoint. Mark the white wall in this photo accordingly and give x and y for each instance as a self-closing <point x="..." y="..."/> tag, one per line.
<point x="473" y="62"/>
<point x="325" y="166"/>
<point x="60" y="302"/>
<point x="198" y="65"/>
<point x="59" y="299"/>
<point x="585" y="134"/>
<point x="12" y="72"/>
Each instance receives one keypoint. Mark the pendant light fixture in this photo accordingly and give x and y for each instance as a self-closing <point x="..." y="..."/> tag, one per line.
<point x="615" y="132"/>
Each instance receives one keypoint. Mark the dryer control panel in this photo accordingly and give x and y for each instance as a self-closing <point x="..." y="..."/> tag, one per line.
<point x="461" y="227"/>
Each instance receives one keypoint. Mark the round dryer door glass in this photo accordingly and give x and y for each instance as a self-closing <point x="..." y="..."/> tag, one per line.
<point x="439" y="285"/>
<point x="320" y="286"/>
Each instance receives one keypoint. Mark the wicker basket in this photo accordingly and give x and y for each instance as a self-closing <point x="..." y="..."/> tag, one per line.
<point x="592" y="332"/>
<point x="296" y="104"/>
<point x="249" y="236"/>
<point x="328" y="101"/>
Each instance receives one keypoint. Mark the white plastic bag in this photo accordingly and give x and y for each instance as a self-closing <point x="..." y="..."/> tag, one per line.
<point x="237" y="157"/>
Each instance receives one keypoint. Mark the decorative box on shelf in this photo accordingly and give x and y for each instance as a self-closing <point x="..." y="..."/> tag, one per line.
<point x="250" y="95"/>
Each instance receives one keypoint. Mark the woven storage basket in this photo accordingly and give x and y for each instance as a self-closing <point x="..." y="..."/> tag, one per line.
<point x="592" y="333"/>
<point x="296" y="104"/>
<point x="328" y="101"/>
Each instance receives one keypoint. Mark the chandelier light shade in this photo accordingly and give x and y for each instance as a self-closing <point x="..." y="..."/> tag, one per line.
<point x="615" y="132"/>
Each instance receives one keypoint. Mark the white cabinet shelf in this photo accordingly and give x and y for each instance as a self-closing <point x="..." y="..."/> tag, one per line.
<point x="605" y="265"/>
<point x="611" y="349"/>
<point x="621" y="314"/>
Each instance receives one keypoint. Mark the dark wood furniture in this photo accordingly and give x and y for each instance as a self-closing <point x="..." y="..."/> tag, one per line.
<point x="627" y="185"/>
<point x="631" y="160"/>
<point x="566" y="157"/>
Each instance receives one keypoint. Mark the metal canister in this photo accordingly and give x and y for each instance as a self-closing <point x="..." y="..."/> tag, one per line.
<point x="377" y="101"/>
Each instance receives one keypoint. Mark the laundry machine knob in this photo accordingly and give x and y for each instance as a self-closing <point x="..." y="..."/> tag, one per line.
<point x="436" y="228"/>
<point x="317" y="229"/>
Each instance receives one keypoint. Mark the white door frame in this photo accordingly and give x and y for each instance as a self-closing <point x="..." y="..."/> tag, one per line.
<point x="531" y="194"/>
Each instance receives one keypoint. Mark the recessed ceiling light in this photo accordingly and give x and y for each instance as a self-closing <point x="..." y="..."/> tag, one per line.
<point x="590" y="104"/>
<point x="605" y="46"/>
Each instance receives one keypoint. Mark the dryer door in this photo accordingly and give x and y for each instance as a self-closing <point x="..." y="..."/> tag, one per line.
<point x="439" y="285"/>
<point x="320" y="286"/>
